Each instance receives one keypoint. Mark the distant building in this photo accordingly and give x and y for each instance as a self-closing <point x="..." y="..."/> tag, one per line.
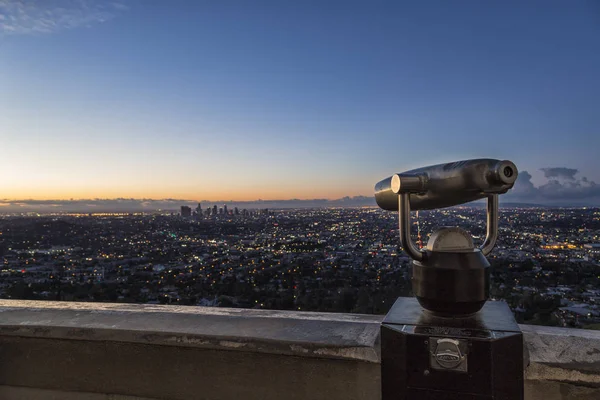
<point x="225" y="209"/>
<point x="236" y="211"/>
<point x="214" y="212"/>
<point x="593" y="248"/>
<point x="186" y="212"/>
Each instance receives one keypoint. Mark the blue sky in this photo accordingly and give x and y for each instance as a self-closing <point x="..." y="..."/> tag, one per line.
<point x="291" y="99"/>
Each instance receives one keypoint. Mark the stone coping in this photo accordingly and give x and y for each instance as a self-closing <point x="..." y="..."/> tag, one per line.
<point x="554" y="353"/>
<point x="307" y="334"/>
<point x="563" y="355"/>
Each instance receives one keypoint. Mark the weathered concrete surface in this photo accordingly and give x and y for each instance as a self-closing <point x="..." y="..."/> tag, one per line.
<point x="563" y="355"/>
<point x="576" y="348"/>
<point x="180" y="373"/>
<point x="343" y="336"/>
<point x="94" y="351"/>
<point x="547" y="390"/>
<point x="20" y="393"/>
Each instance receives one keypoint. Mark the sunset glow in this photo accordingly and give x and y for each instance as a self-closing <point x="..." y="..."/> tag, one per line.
<point x="282" y="100"/>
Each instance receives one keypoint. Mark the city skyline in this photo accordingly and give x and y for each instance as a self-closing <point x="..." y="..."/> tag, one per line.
<point x="303" y="100"/>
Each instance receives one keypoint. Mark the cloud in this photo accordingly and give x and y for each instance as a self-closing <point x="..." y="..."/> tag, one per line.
<point x="22" y="17"/>
<point x="523" y="185"/>
<point x="562" y="187"/>
<point x="560" y="172"/>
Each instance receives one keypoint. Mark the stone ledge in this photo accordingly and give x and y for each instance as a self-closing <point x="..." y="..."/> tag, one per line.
<point x="568" y="348"/>
<point x="563" y="355"/>
<point x="556" y="354"/>
<point x="19" y="393"/>
<point x="307" y="334"/>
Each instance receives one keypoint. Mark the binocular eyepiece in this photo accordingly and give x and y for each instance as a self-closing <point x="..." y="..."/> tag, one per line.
<point x="446" y="185"/>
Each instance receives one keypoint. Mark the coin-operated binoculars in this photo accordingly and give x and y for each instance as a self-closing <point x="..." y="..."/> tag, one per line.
<point x="450" y="343"/>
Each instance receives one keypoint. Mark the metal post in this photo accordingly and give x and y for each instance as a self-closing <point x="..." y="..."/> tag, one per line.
<point x="404" y="224"/>
<point x="492" y="225"/>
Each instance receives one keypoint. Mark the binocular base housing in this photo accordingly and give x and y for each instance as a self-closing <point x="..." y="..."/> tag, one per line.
<point x="425" y="356"/>
<point x="452" y="283"/>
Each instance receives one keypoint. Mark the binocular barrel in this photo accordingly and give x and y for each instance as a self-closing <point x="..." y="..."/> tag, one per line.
<point x="446" y="185"/>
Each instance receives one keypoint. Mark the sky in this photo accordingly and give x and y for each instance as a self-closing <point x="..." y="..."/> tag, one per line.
<point x="245" y="100"/>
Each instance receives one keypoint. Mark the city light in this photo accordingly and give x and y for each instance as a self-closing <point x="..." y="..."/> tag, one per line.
<point x="336" y="259"/>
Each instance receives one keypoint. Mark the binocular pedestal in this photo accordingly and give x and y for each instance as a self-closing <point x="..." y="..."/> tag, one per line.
<point x="450" y="343"/>
<point x="427" y="357"/>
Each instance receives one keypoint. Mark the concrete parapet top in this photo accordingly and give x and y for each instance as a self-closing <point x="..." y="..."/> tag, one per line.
<point x="308" y="334"/>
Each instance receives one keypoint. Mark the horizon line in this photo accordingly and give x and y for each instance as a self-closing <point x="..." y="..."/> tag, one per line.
<point x="22" y="200"/>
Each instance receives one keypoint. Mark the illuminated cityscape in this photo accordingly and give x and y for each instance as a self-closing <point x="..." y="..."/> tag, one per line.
<point x="546" y="264"/>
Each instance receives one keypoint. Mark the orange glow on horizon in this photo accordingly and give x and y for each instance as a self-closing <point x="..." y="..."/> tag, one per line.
<point x="225" y="195"/>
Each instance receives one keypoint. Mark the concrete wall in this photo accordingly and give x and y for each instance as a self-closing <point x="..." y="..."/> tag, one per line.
<point x="96" y="351"/>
